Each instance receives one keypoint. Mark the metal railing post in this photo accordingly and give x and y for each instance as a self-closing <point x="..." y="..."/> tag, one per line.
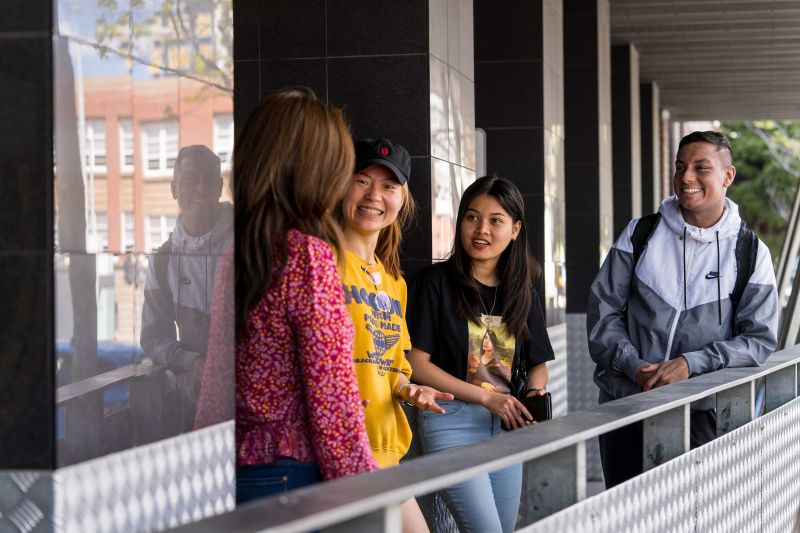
<point x="665" y="436"/>
<point x="781" y="387"/>
<point x="552" y="483"/>
<point x="735" y="407"/>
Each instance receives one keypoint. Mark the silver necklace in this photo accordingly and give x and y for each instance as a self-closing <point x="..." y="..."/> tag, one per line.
<point x="483" y="307"/>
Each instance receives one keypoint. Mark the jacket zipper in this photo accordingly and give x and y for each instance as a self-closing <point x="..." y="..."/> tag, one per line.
<point x="678" y="310"/>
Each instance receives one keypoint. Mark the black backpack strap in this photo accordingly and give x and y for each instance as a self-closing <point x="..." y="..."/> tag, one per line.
<point x="746" y="256"/>
<point x="641" y="234"/>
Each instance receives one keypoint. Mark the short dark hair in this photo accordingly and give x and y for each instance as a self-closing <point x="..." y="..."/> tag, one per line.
<point x="711" y="137"/>
<point x="200" y="152"/>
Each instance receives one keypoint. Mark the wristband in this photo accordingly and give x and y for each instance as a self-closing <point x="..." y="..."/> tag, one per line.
<point x="398" y="395"/>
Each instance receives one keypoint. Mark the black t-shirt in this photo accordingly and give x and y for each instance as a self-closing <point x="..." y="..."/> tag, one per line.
<point x="436" y="328"/>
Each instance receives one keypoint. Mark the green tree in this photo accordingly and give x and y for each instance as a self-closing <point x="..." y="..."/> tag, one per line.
<point x="767" y="160"/>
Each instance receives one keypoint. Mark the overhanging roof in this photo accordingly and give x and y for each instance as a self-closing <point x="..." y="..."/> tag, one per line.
<point x="723" y="59"/>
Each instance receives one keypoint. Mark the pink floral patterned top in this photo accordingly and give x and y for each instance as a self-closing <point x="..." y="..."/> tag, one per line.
<point x="296" y="389"/>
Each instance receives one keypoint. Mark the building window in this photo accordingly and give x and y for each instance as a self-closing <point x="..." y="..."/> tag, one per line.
<point x="158" y="228"/>
<point x="127" y="238"/>
<point x="160" y="143"/>
<point x="126" y="145"/>
<point x="95" y="147"/>
<point x="97" y="232"/>
<point x="223" y="138"/>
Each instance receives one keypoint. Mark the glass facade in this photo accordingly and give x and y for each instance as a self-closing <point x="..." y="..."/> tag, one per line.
<point x="142" y="221"/>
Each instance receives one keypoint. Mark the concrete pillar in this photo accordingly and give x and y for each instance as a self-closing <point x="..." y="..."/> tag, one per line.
<point x="650" y="128"/>
<point x="588" y="179"/>
<point x="625" y="134"/>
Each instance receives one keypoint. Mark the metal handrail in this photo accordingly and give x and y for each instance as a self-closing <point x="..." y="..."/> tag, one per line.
<point x="72" y="391"/>
<point x="370" y="502"/>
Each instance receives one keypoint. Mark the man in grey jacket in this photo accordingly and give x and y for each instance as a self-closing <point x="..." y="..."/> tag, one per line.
<point x="181" y="275"/>
<point x="670" y="316"/>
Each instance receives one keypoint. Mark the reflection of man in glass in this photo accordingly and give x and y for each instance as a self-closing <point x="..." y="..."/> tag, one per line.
<point x="180" y="278"/>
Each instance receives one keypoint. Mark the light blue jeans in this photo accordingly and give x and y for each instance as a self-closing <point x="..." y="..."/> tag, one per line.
<point x="487" y="503"/>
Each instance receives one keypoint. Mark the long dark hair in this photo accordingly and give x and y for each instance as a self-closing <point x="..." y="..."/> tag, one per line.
<point x="517" y="269"/>
<point x="291" y="164"/>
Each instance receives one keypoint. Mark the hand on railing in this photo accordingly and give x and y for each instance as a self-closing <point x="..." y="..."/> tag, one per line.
<point x="653" y="375"/>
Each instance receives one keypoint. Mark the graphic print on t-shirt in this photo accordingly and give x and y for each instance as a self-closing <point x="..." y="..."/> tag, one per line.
<point x="383" y="327"/>
<point x="490" y="354"/>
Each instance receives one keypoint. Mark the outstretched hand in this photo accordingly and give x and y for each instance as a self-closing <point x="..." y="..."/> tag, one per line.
<point x="424" y="398"/>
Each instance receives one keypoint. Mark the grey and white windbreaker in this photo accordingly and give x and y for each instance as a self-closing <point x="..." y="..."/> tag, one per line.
<point x="178" y="292"/>
<point x="679" y="303"/>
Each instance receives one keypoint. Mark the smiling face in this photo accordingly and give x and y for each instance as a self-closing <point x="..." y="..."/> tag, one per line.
<point x="197" y="188"/>
<point x="373" y="200"/>
<point x="487" y="229"/>
<point x="702" y="177"/>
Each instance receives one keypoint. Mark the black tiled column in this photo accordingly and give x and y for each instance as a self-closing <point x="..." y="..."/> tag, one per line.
<point x="373" y="58"/>
<point x="519" y="104"/>
<point x="27" y="377"/>
<point x="589" y="218"/>
<point x="650" y="120"/>
<point x="336" y="49"/>
<point x="626" y="138"/>
<point x="588" y="164"/>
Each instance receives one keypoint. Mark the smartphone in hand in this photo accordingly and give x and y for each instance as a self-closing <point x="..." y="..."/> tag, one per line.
<point x="540" y="407"/>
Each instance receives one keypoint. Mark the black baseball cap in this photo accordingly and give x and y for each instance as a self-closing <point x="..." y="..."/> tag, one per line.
<point x="384" y="152"/>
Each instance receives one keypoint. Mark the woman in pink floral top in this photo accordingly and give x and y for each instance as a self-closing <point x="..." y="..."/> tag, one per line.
<point x="299" y="417"/>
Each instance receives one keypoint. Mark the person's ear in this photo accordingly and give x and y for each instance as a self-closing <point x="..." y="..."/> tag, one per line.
<point x="173" y="186"/>
<point x="730" y="174"/>
<point x="516" y="229"/>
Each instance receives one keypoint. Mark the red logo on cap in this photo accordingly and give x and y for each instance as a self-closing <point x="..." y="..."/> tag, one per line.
<point x="384" y="151"/>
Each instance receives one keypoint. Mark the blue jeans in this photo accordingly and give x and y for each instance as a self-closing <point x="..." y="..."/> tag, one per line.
<point x="260" y="481"/>
<point x="489" y="502"/>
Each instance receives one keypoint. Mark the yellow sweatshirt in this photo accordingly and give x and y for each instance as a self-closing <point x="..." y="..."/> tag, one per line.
<point x="377" y="304"/>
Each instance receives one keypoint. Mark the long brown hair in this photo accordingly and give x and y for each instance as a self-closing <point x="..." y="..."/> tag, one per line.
<point x="291" y="164"/>
<point x="517" y="268"/>
<point x="388" y="247"/>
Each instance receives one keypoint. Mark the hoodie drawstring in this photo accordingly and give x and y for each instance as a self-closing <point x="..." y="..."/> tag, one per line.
<point x="685" y="307"/>
<point x="719" y="290"/>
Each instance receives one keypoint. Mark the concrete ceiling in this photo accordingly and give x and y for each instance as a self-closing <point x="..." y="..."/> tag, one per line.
<point x="716" y="59"/>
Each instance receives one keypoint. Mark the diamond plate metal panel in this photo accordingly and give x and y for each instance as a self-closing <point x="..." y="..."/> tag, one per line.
<point x="153" y="487"/>
<point x="661" y="500"/>
<point x="557" y="370"/>
<point x="26" y="501"/>
<point x="746" y="480"/>
<point x="582" y="390"/>
<point x="728" y="481"/>
<point x="781" y="468"/>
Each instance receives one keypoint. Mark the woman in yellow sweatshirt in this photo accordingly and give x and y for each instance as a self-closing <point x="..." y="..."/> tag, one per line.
<point x="373" y="212"/>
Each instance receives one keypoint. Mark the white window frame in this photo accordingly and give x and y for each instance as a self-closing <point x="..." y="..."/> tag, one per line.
<point x="223" y="138"/>
<point x="166" y="224"/>
<point x="165" y="133"/>
<point x="95" y="145"/>
<point x="99" y="222"/>
<point x="126" y="145"/>
<point x="127" y="220"/>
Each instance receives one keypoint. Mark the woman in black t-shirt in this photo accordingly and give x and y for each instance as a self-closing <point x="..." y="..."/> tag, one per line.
<point x="478" y="332"/>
